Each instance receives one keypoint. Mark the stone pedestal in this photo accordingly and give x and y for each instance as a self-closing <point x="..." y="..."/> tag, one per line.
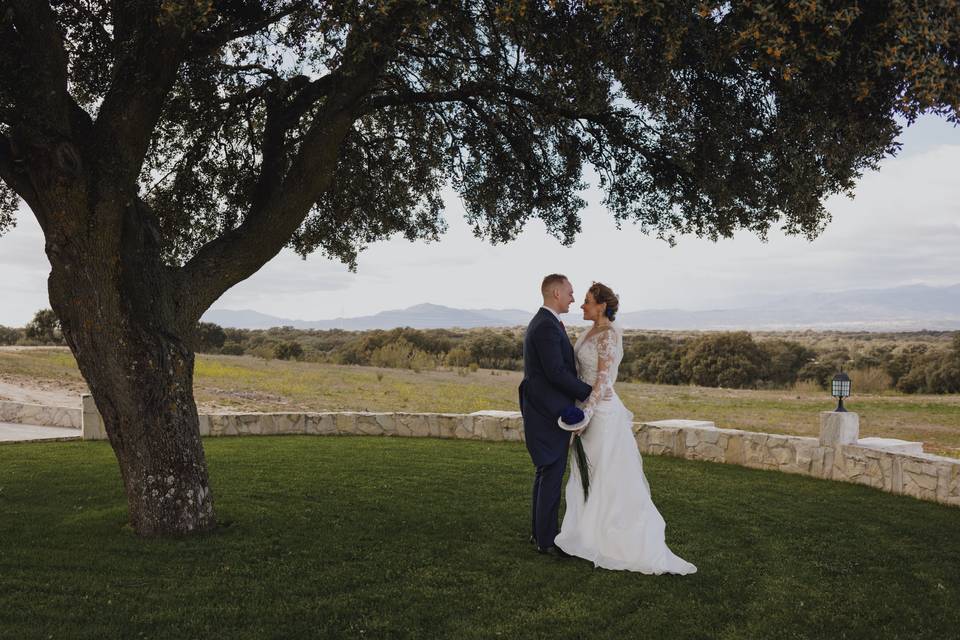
<point x="91" y="420"/>
<point x="839" y="428"/>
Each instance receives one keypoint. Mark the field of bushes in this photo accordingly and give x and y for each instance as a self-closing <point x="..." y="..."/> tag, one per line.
<point x="925" y="362"/>
<point x="920" y="362"/>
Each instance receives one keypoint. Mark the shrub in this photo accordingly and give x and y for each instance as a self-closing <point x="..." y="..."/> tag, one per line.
<point x="870" y="380"/>
<point x="209" y="337"/>
<point x="261" y="351"/>
<point x="352" y="353"/>
<point x="662" y="367"/>
<point x="422" y="361"/>
<point x="877" y="357"/>
<point x="900" y="363"/>
<point x="394" y="355"/>
<point x="495" y="350"/>
<point x="933" y="372"/>
<point x="826" y="365"/>
<point x="923" y="370"/>
<point x="401" y="354"/>
<point x="44" y="328"/>
<point x="288" y="351"/>
<point x="232" y="349"/>
<point x="654" y="359"/>
<point x="783" y="360"/>
<point x="458" y="357"/>
<point x="8" y="335"/>
<point x="723" y="360"/>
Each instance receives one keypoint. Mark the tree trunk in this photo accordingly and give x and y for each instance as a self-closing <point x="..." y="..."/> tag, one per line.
<point x="118" y="306"/>
<point x="151" y="420"/>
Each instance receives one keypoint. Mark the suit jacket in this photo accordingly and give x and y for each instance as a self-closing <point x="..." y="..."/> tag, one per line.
<point x="550" y="385"/>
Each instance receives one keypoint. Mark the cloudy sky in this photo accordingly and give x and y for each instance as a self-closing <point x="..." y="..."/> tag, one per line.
<point x="903" y="227"/>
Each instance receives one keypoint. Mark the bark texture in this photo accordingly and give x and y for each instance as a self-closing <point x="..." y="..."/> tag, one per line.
<point x="118" y="307"/>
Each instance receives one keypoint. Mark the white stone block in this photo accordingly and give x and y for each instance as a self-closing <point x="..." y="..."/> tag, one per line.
<point x="319" y="424"/>
<point x="891" y="444"/>
<point x="497" y="414"/>
<point x="92" y="426"/>
<point x="683" y="424"/>
<point x="839" y="428"/>
<point x="204" y="425"/>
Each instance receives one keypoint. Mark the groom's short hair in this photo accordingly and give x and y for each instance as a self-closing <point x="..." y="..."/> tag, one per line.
<point x="551" y="281"/>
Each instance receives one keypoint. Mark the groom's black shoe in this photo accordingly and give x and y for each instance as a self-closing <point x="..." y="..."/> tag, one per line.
<point x="533" y="539"/>
<point x="554" y="551"/>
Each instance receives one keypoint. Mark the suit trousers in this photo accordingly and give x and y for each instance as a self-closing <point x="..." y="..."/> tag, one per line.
<point x="547" y="485"/>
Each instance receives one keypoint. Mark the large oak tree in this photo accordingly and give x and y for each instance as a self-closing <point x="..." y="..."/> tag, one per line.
<point x="170" y="148"/>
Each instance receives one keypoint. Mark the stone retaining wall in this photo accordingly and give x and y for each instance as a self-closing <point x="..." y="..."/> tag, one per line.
<point x="891" y="465"/>
<point x="483" y="425"/>
<point x="39" y="415"/>
<point x="882" y="466"/>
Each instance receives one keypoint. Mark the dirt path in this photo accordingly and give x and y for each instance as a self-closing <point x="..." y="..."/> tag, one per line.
<point x="33" y="392"/>
<point x="50" y="392"/>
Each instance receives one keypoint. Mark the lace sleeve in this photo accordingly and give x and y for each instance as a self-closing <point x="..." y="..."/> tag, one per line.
<point x="603" y="387"/>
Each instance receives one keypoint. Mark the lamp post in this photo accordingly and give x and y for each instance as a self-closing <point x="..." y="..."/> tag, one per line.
<point x="840" y="389"/>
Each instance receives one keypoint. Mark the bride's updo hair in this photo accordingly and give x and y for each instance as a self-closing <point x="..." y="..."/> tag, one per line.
<point x="603" y="294"/>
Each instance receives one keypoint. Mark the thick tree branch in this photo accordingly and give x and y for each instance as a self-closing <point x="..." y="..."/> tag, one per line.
<point x="144" y="73"/>
<point x="207" y="42"/>
<point x="11" y="173"/>
<point x="307" y="93"/>
<point x="239" y="253"/>
<point x="43" y="58"/>
<point x="124" y="19"/>
<point x="272" y="154"/>
<point x="7" y="161"/>
<point x="300" y="92"/>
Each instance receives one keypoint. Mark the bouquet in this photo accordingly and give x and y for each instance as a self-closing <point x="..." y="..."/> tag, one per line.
<point x="574" y="415"/>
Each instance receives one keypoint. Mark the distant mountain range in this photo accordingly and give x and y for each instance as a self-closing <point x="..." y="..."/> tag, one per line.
<point x="421" y="316"/>
<point x="907" y="308"/>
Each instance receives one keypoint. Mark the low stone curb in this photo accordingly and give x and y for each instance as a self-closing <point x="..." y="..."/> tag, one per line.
<point x="838" y="454"/>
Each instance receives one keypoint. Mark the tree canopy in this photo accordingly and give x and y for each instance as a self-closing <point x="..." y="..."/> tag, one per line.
<point x="697" y="117"/>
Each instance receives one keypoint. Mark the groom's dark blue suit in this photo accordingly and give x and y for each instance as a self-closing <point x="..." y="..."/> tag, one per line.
<point x="550" y="385"/>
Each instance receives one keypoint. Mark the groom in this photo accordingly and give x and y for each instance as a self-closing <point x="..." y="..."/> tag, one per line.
<point x="550" y="385"/>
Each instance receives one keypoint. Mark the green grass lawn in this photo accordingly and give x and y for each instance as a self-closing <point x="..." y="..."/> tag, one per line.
<point x="417" y="538"/>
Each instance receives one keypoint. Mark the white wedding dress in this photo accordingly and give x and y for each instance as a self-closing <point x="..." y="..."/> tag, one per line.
<point x="618" y="526"/>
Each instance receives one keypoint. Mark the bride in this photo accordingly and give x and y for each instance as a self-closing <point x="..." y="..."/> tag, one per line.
<point x="617" y="526"/>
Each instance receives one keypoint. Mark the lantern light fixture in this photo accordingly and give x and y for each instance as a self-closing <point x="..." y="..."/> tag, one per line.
<point x="840" y="389"/>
